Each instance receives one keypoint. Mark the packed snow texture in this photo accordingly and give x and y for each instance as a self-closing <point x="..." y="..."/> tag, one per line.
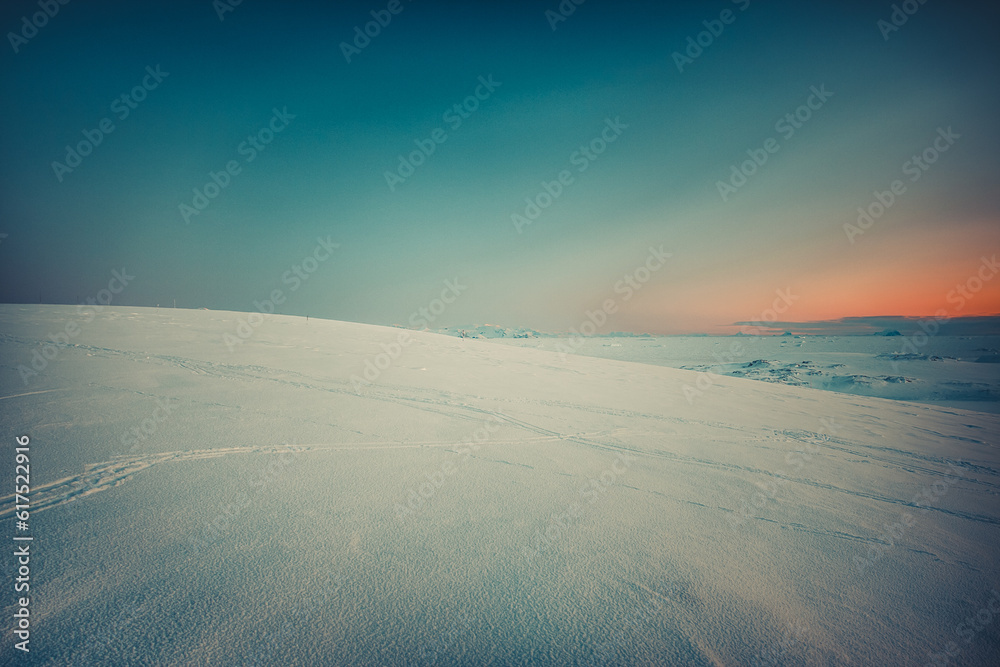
<point x="330" y="493"/>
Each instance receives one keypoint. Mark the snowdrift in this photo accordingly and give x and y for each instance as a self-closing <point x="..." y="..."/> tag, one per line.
<point x="334" y="493"/>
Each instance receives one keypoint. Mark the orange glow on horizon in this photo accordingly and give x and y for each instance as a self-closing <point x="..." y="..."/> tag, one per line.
<point x="929" y="273"/>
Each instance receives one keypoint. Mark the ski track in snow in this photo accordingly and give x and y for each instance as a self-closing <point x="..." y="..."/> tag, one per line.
<point x="106" y="475"/>
<point x="109" y="474"/>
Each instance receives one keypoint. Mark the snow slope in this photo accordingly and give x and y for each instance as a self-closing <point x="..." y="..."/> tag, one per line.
<point x="196" y="505"/>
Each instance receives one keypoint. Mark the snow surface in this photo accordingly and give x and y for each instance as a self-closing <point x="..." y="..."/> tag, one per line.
<point x="586" y="512"/>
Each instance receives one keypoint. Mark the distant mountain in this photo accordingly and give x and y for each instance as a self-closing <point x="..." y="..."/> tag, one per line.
<point x="489" y="331"/>
<point x="497" y="331"/>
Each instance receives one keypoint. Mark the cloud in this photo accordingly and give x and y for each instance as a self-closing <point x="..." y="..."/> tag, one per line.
<point x="861" y="326"/>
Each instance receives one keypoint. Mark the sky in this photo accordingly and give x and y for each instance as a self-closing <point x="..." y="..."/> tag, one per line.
<point x="659" y="167"/>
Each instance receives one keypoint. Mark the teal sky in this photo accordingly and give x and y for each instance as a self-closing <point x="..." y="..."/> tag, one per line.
<point x="656" y="184"/>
